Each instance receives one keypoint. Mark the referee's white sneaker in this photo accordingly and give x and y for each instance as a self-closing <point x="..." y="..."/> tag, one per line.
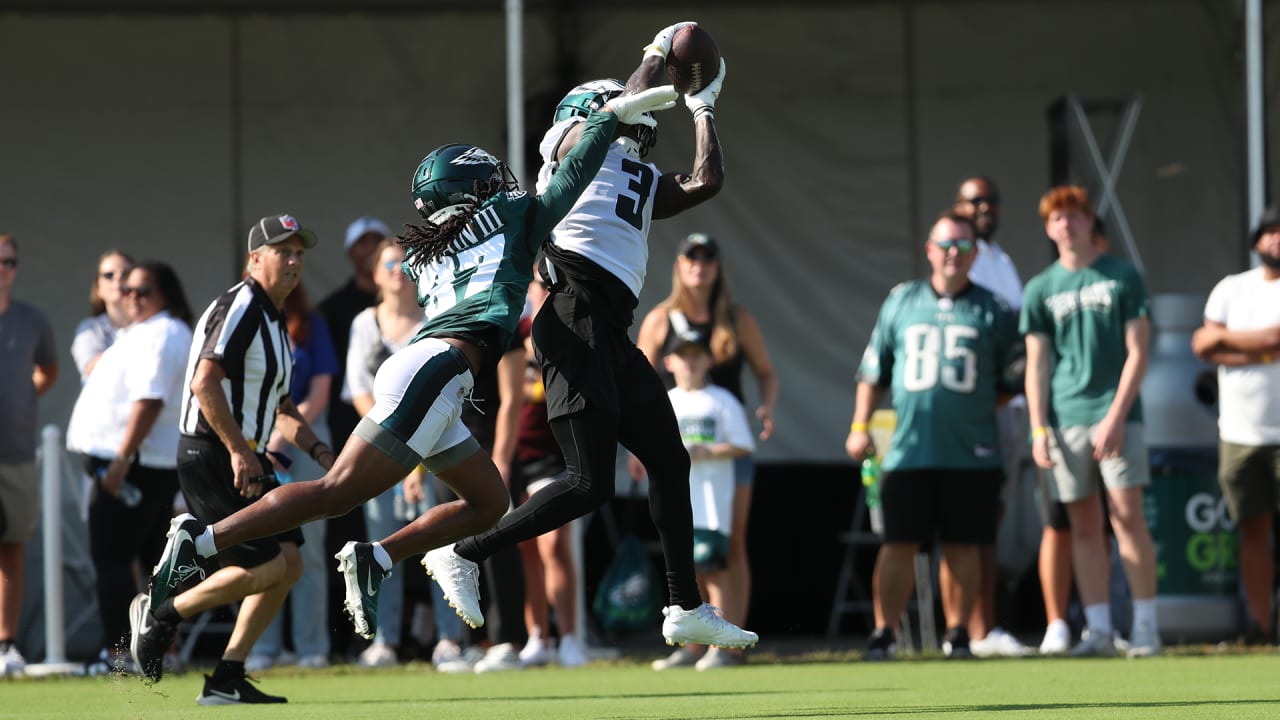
<point x="459" y="580"/>
<point x="704" y="625"/>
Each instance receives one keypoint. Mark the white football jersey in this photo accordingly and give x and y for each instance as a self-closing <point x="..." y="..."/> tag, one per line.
<point x="609" y="224"/>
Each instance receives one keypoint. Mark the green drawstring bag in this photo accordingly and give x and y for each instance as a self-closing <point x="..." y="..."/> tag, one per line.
<point x="628" y="599"/>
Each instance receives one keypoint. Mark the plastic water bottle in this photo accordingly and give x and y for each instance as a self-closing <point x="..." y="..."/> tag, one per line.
<point x="871" y="486"/>
<point x="130" y="494"/>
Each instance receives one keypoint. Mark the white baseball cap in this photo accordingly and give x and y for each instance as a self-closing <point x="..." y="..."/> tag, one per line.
<point x="363" y="226"/>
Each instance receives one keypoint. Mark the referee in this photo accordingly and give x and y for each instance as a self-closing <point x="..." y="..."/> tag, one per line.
<point x="237" y="390"/>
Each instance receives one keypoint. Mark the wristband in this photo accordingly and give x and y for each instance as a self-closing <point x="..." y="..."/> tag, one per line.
<point x="1039" y="432"/>
<point x="318" y="444"/>
<point x="858" y="427"/>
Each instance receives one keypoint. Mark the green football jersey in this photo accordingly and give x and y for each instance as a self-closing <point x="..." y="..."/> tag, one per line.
<point x="944" y="359"/>
<point x="1084" y="313"/>
<point x="481" y="280"/>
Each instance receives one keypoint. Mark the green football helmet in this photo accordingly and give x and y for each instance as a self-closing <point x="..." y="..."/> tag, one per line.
<point x="448" y="179"/>
<point x="591" y="96"/>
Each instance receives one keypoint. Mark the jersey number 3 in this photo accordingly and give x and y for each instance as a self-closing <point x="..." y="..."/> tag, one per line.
<point x="928" y="346"/>
<point x="630" y="207"/>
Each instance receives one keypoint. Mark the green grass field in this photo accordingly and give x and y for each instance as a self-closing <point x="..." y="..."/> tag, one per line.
<point x="1171" y="687"/>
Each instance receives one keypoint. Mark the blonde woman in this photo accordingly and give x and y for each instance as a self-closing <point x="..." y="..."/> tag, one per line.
<point x="701" y="305"/>
<point x="107" y="312"/>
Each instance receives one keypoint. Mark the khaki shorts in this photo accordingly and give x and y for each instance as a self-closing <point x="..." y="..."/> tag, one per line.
<point x="1250" y="478"/>
<point x="19" y="501"/>
<point x="1076" y="475"/>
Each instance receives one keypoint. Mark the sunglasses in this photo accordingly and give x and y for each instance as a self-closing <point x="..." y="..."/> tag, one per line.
<point x="10" y="263"/>
<point x="110" y="275"/>
<point x="964" y="245"/>
<point x="142" y="291"/>
<point x="992" y="199"/>
<point x="390" y="264"/>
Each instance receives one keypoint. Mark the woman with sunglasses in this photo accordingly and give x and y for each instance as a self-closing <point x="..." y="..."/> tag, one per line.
<point x="125" y="424"/>
<point x="107" y="312"/>
<point x="700" y="303"/>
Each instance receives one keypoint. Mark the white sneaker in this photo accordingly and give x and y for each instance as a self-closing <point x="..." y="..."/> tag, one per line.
<point x="682" y="657"/>
<point x="570" y="654"/>
<point x="716" y="658"/>
<point x="999" y="643"/>
<point x="1094" y="645"/>
<point x="1144" y="641"/>
<point x="459" y="580"/>
<point x="12" y="662"/>
<point x="378" y="654"/>
<point x="535" y="652"/>
<point x="1057" y="638"/>
<point x="314" y="662"/>
<point x="499" y="658"/>
<point x="449" y="658"/>
<point x="256" y="663"/>
<point x="704" y="625"/>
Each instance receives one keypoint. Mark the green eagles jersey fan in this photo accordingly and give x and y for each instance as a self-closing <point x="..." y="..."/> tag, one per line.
<point x="945" y="359"/>
<point x="1083" y="313"/>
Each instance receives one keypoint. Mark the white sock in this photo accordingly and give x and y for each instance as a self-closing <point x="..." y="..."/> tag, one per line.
<point x="384" y="560"/>
<point x="1098" y="618"/>
<point x="204" y="543"/>
<point x="1144" y="611"/>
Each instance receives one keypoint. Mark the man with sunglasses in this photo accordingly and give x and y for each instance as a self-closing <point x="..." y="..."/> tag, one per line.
<point x="946" y="348"/>
<point x="28" y="368"/>
<point x="978" y="199"/>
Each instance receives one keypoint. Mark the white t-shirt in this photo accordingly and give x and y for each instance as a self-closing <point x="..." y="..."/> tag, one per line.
<point x="1248" y="396"/>
<point x="365" y="346"/>
<point x="711" y="415"/>
<point x="994" y="270"/>
<point x="147" y="362"/>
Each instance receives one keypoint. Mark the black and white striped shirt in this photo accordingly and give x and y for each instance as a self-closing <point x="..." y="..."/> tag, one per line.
<point x="244" y="332"/>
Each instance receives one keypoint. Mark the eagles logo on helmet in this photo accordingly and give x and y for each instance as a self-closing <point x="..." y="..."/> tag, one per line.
<point x="591" y="96"/>
<point x="448" y="179"/>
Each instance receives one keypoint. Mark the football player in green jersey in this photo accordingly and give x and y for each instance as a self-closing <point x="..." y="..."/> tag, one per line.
<point x="471" y="260"/>
<point x="947" y="349"/>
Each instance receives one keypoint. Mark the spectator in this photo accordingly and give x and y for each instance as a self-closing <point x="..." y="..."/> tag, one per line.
<point x="947" y="348"/>
<point x="125" y="424"/>
<point x="550" y="572"/>
<point x="598" y="395"/>
<point x="978" y="199"/>
<point x="339" y="309"/>
<point x="1241" y="334"/>
<point x="314" y="365"/>
<point x="715" y="432"/>
<point x="1087" y="334"/>
<point x="28" y="368"/>
<point x="478" y="242"/>
<point x="700" y="302"/>
<point x="236" y="393"/>
<point x="107" y="312"/>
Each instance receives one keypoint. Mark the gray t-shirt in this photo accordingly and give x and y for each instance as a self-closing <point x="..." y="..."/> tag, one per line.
<point x="26" y="340"/>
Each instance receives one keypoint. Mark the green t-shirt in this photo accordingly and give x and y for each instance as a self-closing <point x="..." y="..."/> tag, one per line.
<point x="1083" y="313"/>
<point x="480" y="282"/>
<point x="945" y="360"/>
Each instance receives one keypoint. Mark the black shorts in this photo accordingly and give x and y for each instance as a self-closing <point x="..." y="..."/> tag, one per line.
<point x="208" y="484"/>
<point x="955" y="506"/>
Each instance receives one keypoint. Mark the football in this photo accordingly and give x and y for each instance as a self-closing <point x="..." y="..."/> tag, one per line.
<point x="694" y="59"/>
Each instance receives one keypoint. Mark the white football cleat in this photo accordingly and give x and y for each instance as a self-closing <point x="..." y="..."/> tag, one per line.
<point x="704" y="625"/>
<point x="459" y="580"/>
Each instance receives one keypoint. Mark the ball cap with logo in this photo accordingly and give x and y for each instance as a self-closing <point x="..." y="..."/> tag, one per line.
<point x="699" y="241"/>
<point x="274" y="229"/>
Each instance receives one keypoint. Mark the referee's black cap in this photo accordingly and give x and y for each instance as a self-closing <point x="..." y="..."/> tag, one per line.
<point x="273" y="229"/>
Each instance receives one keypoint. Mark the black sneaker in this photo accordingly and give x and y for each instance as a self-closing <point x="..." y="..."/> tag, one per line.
<point x="1255" y="636"/>
<point x="149" y="638"/>
<point x="883" y="645"/>
<point x="361" y="576"/>
<point x="234" y="692"/>
<point x="956" y="644"/>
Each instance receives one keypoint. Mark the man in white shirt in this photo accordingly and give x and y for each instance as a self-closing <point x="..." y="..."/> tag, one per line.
<point x="1241" y="334"/>
<point x="978" y="199"/>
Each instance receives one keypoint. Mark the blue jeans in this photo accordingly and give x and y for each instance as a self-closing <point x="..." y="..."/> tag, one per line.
<point x="309" y="599"/>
